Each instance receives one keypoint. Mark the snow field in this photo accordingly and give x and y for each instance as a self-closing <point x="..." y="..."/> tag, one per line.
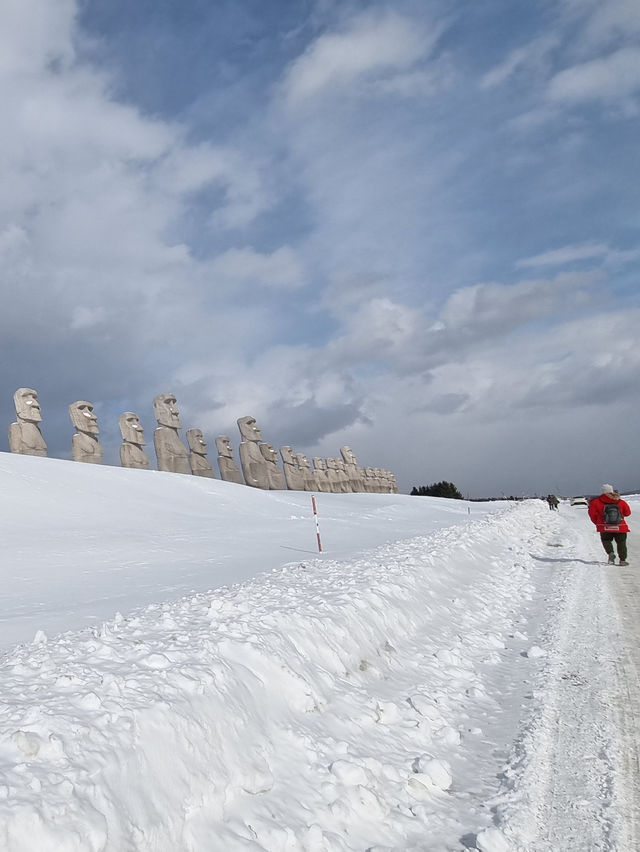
<point x="326" y="706"/>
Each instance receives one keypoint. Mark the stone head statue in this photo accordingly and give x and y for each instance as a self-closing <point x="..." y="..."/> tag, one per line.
<point x="200" y="464"/>
<point x="84" y="444"/>
<point x="348" y="455"/>
<point x="172" y="455"/>
<point x="131" y="428"/>
<point x="288" y="456"/>
<point x="131" y="453"/>
<point x="27" y="405"/>
<point x="249" y="429"/>
<point x="24" y="435"/>
<point x="196" y="441"/>
<point x="223" y="445"/>
<point x="275" y="476"/>
<point x="83" y="417"/>
<point x="165" y="408"/>
<point x="269" y="452"/>
<point x="229" y="470"/>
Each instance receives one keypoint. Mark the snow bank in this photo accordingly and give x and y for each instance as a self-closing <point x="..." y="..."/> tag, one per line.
<point x="325" y="706"/>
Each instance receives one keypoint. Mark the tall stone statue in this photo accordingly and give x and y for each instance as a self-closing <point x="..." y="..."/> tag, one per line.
<point x="131" y="452"/>
<point x="200" y="464"/>
<point x="171" y="453"/>
<point x="307" y="474"/>
<point x="354" y="473"/>
<point x="293" y="475"/>
<point x="345" y="484"/>
<point x="253" y="463"/>
<point x="229" y="470"/>
<point x="370" y="482"/>
<point x="25" y="436"/>
<point x="337" y="478"/>
<point x="320" y="474"/>
<point x="275" y="475"/>
<point x="85" y="446"/>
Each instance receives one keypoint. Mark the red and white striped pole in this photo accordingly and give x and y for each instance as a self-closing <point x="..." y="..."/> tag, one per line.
<point x="315" y="515"/>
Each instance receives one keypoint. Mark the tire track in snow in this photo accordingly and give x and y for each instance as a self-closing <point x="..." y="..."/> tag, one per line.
<point x="624" y="583"/>
<point x="562" y="795"/>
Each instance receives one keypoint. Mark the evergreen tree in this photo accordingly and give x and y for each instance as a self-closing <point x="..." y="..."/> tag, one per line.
<point x="438" y="489"/>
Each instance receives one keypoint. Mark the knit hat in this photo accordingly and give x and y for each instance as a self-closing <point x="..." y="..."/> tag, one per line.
<point x="607" y="489"/>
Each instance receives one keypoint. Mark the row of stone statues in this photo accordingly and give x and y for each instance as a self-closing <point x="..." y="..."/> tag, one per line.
<point x="258" y="458"/>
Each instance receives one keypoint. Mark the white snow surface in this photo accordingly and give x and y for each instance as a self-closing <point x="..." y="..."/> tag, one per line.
<point x="182" y="670"/>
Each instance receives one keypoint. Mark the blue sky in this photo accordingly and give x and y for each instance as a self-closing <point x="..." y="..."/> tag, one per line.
<point x="409" y="227"/>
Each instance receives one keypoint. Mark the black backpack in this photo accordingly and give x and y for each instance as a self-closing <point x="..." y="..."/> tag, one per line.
<point x="611" y="514"/>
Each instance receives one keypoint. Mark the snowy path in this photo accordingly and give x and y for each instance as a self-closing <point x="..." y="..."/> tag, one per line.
<point x="574" y="771"/>
<point x="625" y="583"/>
<point x="471" y="688"/>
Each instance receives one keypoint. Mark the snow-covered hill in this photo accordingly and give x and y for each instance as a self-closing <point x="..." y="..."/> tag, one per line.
<point x="183" y="671"/>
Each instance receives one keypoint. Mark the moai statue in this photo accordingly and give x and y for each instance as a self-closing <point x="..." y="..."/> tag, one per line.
<point x="394" y="483"/>
<point x="131" y="452"/>
<point x="275" y="475"/>
<point x="253" y="463"/>
<point x="335" y="482"/>
<point x="308" y="477"/>
<point x="370" y="483"/>
<point x="85" y="447"/>
<point x="229" y="470"/>
<point x="172" y="455"/>
<point x="292" y="473"/>
<point x="200" y="464"/>
<point x="354" y="473"/>
<point x="345" y="484"/>
<point x="382" y="485"/>
<point x="320" y="475"/>
<point x="25" y="436"/>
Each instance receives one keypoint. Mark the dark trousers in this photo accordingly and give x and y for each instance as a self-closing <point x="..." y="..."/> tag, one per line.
<point x="607" y="539"/>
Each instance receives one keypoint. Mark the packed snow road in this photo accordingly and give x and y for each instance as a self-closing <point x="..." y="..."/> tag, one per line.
<point x="573" y="780"/>
<point x="472" y="688"/>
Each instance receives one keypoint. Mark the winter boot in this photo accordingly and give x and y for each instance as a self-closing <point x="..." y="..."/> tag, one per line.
<point x="612" y="559"/>
<point x="623" y="562"/>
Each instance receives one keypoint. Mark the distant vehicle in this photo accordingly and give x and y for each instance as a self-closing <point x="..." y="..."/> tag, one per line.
<point x="579" y="501"/>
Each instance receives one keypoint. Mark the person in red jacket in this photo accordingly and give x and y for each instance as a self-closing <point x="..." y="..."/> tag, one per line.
<point x="602" y="511"/>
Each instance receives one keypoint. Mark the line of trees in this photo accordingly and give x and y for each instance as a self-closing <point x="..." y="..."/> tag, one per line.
<point x="438" y="489"/>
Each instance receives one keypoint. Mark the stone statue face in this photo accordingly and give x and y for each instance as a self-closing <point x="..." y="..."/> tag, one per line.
<point x="83" y="418"/>
<point x="269" y="452"/>
<point x="27" y="405"/>
<point x="287" y="455"/>
<point x="318" y="463"/>
<point x="249" y="429"/>
<point x="303" y="461"/>
<point x="197" y="443"/>
<point x="131" y="428"/>
<point x="223" y="445"/>
<point x="166" y="410"/>
<point x="348" y="455"/>
<point x="332" y="464"/>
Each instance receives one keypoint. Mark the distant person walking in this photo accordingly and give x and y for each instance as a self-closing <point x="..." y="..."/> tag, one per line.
<point x="553" y="501"/>
<point x="608" y="513"/>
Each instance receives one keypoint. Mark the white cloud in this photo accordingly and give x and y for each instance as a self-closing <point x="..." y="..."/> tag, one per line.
<point x="370" y="44"/>
<point x="612" y="78"/>
<point x="566" y="254"/>
<point x="485" y="309"/>
<point x="84" y="318"/>
<point x="280" y="270"/>
<point x="35" y="34"/>
<point x="615" y="19"/>
<point x="532" y="56"/>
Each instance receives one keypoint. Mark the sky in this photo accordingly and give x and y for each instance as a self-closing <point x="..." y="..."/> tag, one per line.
<point x="181" y="669"/>
<point x="408" y="227"/>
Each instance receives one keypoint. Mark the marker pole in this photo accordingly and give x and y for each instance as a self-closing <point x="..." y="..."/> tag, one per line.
<point x="315" y="515"/>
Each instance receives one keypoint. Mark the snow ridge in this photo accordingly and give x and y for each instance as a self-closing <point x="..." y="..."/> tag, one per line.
<point x="198" y="724"/>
